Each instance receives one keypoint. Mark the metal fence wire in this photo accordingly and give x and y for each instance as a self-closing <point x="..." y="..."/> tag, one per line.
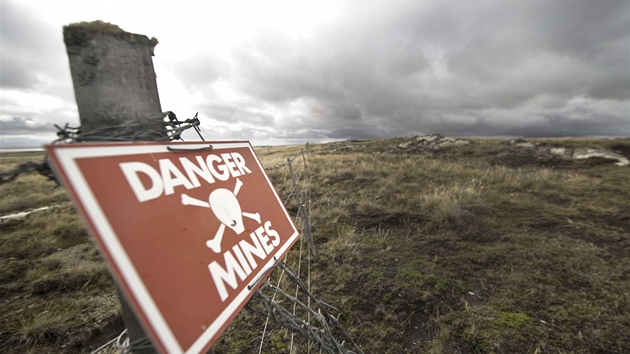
<point x="166" y="127"/>
<point x="319" y="332"/>
<point x="161" y="127"/>
<point x="154" y="128"/>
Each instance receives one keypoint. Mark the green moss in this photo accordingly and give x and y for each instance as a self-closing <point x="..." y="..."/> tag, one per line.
<point x="413" y="277"/>
<point x="538" y="262"/>
<point x="154" y="42"/>
<point x="375" y="275"/>
<point x="514" y="320"/>
<point x="442" y="285"/>
<point x="278" y="343"/>
<point x="97" y="26"/>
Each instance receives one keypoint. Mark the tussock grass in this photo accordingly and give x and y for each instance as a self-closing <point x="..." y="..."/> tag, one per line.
<point x="57" y="294"/>
<point x="343" y="246"/>
<point x="445" y="251"/>
<point x="39" y="190"/>
<point x="452" y="253"/>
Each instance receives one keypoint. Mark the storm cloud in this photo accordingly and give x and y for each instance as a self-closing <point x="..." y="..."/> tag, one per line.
<point x="463" y="68"/>
<point x="385" y="69"/>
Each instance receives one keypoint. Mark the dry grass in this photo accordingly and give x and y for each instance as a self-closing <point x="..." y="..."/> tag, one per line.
<point x="451" y="251"/>
<point x="57" y="293"/>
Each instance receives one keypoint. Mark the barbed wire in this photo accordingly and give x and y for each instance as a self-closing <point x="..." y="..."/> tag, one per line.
<point x="297" y="217"/>
<point x="28" y="167"/>
<point x="131" y="130"/>
<point x="154" y="128"/>
<point x="280" y="165"/>
<point x="263" y="305"/>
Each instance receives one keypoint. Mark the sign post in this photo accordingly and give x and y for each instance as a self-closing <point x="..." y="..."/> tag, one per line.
<point x="114" y="81"/>
<point x="189" y="230"/>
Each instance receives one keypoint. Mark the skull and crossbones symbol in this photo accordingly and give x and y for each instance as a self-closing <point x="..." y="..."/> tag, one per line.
<point x="226" y="208"/>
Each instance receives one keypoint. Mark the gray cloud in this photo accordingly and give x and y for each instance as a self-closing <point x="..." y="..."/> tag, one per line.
<point x="382" y="69"/>
<point x="435" y="67"/>
<point x="22" y="141"/>
<point x="234" y="114"/>
<point x="27" y="44"/>
<point x="15" y="75"/>
<point x="17" y="125"/>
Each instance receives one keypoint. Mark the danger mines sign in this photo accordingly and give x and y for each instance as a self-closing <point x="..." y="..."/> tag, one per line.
<point x="184" y="231"/>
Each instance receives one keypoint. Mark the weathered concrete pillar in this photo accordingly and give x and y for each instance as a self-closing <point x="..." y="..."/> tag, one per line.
<point x="114" y="82"/>
<point x="113" y="75"/>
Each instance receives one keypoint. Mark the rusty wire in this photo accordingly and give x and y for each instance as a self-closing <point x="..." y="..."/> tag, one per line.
<point x="146" y="129"/>
<point x="130" y="130"/>
<point x="321" y="332"/>
<point x="28" y="167"/>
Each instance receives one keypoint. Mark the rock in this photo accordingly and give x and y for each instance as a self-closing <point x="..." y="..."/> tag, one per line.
<point x="432" y="142"/>
<point x="546" y="152"/>
<point x="563" y="153"/>
<point x="586" y="153"/>
<point x="526" y="146"/>
<point x="517" y="141"/>
<point x="434" y="137"/>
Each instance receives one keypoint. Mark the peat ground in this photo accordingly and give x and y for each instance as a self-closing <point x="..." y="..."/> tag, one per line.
<point x="458" y="250"/>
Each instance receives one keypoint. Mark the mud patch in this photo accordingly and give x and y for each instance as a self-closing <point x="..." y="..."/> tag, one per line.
<point x="88" y="339"/>
<point x="623" y="149"/>
<point x="420" y="330"/>
<point x="371" y="219"/>
<point x="581" y="228"/>
<point x="62" y="282"/>
<point x="516" y="160"/>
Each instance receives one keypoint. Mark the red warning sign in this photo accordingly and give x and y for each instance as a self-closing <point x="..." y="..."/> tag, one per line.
<point x="189" y="231"/>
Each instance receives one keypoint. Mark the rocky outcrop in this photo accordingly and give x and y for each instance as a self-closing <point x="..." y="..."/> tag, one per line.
<point x="579" y="154"/>
<point x="432" y="142"/>
<point x="544" y="151"/>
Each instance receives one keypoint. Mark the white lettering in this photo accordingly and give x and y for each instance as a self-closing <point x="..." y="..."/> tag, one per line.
<point x="168" y="170"/>
<point x="240" y="262"/>
<point x="131" y="170"/>
<point x="223" y="174"/>
<point x="273" y="233"/>
<point x="231" y="166"/>
<point x="264" y="239"/>
<point x="241" y="259"/>
<point x="192" y="170"/>
<point x="228" y="275"/>
<point x="240" y="162"/>
<point x="164" y="179"/>
<point x="248" y="250"/>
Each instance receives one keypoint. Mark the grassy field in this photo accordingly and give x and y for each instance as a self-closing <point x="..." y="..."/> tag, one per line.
<point x="459" y="250"/>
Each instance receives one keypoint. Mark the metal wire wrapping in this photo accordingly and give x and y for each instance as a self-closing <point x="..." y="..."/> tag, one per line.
<point x="264" y="306"/>
<point x="28" y="167"/>
<point x="131" y="130"/>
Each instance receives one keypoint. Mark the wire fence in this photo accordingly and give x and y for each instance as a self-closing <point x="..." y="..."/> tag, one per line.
<point x="170" y="129"/>
<point x="154" y="128"/>
<point x="320" y="331"/>
<point x="300" y="313"/>
<point x="303" y="314"/>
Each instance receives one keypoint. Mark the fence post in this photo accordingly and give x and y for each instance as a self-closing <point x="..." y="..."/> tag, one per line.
<point x="114" y="81"/>
<point x="306" y="222"/>
<point x="112" y="73"/>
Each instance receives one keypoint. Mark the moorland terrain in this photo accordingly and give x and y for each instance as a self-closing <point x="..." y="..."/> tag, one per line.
<point x="468" y="248"/>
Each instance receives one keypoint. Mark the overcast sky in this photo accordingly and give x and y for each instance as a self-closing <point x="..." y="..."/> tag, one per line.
<point x="295" y="71"/>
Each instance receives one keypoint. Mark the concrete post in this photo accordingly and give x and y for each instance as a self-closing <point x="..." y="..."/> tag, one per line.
<point x="112" y="72"/>
<point x="114" y="81"/>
